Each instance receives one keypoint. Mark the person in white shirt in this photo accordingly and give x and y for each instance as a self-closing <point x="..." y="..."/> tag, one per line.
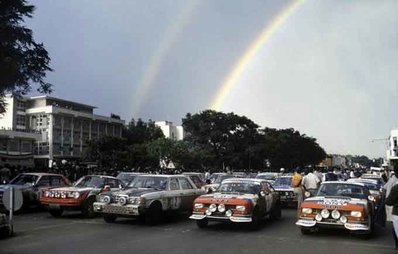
<point x="387" y="187"/>
<point x="311" y="183"/>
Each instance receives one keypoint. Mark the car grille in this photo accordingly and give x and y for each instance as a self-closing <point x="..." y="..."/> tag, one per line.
<point x="116" y="209"/>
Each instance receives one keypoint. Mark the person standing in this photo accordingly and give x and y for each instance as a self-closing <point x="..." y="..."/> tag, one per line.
<point x="387" y="187"/>
<point x="392" y="200"/>
<point x="298" y="189"/>
<point x="311" y="183"/>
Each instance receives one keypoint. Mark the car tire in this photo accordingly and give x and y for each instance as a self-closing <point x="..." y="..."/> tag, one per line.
<point x="154" y="215"/>
<point x="276" y="213"/>
<point x="202" y="223"/>
<point x="88" y="208"/>
<point x="109" y="218"/>
<point x="56" y="213"/>
<point x="305" y="231"/>
<point x="256" y="218"/>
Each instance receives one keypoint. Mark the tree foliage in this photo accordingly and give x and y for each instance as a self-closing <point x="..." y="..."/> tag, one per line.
<point x="22" y="60"/>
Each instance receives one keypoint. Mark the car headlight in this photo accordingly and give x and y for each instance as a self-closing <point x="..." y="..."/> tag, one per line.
<point x="307" y="194"/>
<point x="356" y="214"/>
<point x="213" y="208"/>
<point x="122" y="200"/>
<point x="47" y="193"/>
<point x="198" y="205"/>
<point x="76" y="194"/>
<point x="306" y="210"/>
<point x="325" y="213"/>
<point x="318" y="217"/>
<point x="240" y="208"/>
<point x="335" y="214"/>
<point x="106" y="199"/>
<point x="63" y="194"/>
<point x="228" y="213"/>
<point x="343" y="219"/>
<point x="221" y="208"/>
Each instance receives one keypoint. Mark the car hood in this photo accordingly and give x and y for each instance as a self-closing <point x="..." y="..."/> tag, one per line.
<point x="343" y="203"/>
<point x="73" y="188"/>
<point x="135" y="192"/>
<point x="226" y="197"/>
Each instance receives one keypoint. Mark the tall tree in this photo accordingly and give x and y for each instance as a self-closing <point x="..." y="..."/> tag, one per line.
<point x="226" y="136"/>
<point x="22" y="60"/>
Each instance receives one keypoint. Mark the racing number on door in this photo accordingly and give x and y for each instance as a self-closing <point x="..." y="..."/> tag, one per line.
<point x="175" y="202"/>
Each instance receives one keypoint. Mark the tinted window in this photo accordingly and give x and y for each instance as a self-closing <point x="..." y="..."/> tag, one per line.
<point x="44" y="181"/>
<point x="90" y="181"/>
<point x="174" y="185"/>
<point x="57" y="181"/>
<point x="185" y="184"/>
<point x="113" y="183"/>
<point x="24" y="179"/>
<point x="158" y="183"/>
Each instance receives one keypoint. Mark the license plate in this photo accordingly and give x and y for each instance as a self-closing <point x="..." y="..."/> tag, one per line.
<point x="55" y="206"/>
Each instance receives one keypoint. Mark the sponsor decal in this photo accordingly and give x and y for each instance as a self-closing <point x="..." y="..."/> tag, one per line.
<point x="333" y="203"/>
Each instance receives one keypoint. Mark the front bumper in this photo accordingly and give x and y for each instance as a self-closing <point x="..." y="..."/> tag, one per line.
<point x="350" y="226"/>
<point x="116" y="209"/>
<point x="238" y="219"/>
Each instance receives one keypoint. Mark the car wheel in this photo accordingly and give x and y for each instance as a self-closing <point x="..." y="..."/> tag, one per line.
<point x="109" y="218"/>
<point x="154" y="215"/>
<point x="255" y="224"/>
<point x="202" y="223"/>
<point x="56" y="213"/>
<point x="276" y="212"/>
<point x="305" y="231"/>
<point x="88" y="208"/>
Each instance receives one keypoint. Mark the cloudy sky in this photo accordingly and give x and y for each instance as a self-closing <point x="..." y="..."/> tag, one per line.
<point x="326" y="68"/>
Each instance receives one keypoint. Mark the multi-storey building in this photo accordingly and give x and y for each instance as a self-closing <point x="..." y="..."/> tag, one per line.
<point x="65" y="126"/>
<point x="170" y="130"/>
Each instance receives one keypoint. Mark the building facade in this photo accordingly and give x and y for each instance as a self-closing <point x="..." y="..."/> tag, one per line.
<point x="170" y="130"/>
<point x="64" y="126"/>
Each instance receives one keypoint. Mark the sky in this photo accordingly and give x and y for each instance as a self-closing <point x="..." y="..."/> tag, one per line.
<point x="326" y="68"/>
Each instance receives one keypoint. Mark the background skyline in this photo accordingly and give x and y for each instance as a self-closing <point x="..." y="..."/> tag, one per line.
<point x="328" y="70"/>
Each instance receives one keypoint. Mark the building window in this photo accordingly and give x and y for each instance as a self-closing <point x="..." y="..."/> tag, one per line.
<point x="21" y="105"/>
<point x="21" y="120"/>
<point x="395" y="142"/>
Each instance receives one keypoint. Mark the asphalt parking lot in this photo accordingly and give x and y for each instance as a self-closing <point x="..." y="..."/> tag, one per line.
<point x="38" y="232"/>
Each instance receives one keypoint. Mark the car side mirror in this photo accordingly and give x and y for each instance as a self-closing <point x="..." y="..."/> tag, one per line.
<point x="371" y="198"/>
<point x="262" y="193"/>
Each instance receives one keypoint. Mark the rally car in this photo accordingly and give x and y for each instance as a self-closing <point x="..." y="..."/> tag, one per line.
<point x="284" y="187"/>
<point x="338" y="205"/>
<point x="80" y="196"/>
<point x="148" y="197"/>
<point x="238" y="200"/>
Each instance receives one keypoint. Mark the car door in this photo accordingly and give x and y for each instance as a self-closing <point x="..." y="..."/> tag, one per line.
<point x="173" y="195"/>
<point x="188" y="193"/>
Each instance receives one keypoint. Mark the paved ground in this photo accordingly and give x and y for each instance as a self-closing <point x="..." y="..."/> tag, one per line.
<point x="38" y="232"/>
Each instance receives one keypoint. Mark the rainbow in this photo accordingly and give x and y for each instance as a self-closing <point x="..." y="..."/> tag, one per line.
<point x="172" y="35"/>
<point x="233" y="76"/>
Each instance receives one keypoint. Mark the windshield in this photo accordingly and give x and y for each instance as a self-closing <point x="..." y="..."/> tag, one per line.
<point x="158" y="183"/>
<point x="240" y="187"/>
<point x="342" y="189"/>
<point x="24" y="179"/>
<point x="90" y="181"/>
<point x="283" y="181"/>
<point x="126" y="177"/>
<point x="221" y="178"/>
<point x="266" y="177"/>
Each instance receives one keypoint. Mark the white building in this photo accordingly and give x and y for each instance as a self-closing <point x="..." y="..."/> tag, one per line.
<point x="392" y="152"/>
<point x="170" y="130"/>
<point x="65" y="126"/>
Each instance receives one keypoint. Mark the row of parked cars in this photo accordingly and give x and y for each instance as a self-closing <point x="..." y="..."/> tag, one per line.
<point x="230" y="198"/>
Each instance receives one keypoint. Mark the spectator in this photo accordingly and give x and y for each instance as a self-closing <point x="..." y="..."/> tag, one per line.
<point x="392" y="200"/>
<point x="311" y="182"/>
<point x="387" y="187"/>
<point x="330" y="176"/>
<point x="298" y="189"/>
